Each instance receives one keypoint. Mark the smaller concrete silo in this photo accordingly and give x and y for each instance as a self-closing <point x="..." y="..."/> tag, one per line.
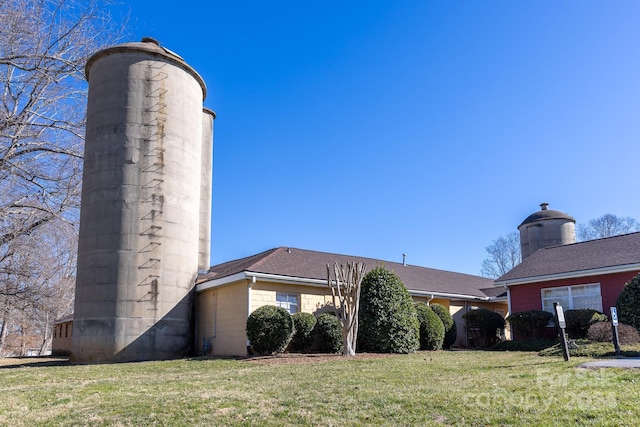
<point x="546" y="228"/>
<point x="204" y="249"/>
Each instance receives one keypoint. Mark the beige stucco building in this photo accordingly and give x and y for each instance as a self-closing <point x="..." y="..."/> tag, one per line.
<point x="295" y="279"/>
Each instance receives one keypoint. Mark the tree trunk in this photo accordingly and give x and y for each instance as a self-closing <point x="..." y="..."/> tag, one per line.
<point x="46" y="338"/>
<point x="4" y="330"/>
<point x="345" y="291"/>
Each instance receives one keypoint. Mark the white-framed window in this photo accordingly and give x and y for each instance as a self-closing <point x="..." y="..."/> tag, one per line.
<point x="287" y="301"/>
<point x="573" y="297"/>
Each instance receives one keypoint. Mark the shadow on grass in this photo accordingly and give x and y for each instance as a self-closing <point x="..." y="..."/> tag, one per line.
<point x="529" y="345"/>
<point x="597" y="350"/>
<point x="577" y="348"/>
<point x="33" y="362"/>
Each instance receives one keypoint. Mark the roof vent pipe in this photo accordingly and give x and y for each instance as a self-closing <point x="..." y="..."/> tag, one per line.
<point x="543" y="206"/>
<point x="404" y="259"/>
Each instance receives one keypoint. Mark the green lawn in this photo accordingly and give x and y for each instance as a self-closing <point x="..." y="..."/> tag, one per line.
<point x="462" y="388"/>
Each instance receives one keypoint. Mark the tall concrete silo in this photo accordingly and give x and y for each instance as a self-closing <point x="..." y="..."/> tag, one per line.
<point x="546" y="228"/>
<point x="145" y="205"/>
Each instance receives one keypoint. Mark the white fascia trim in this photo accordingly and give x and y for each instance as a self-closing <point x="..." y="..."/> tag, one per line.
<point x="287" y="279"/>
<point x="248" y="275"/>
<point x="447" y="295"/>
<point x="277" y="278"/>
<point x="571" y="275"/>
<point x="213" y="283"/>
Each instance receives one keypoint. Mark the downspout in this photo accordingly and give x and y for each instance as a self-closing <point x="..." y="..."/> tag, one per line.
<point x="251" y="282"/>
<point x="215" y="315"/>
<point x="429" y="299"/>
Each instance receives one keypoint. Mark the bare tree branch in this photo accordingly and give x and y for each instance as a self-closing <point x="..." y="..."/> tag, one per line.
<point x="504" y="254"/>
<point x="608" y="225"/>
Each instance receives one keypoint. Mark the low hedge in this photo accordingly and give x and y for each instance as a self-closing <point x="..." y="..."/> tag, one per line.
<point x="484" y="326"/>
<point x="601" y="332"/>
<point x="579" y="321"/>
<point x="531" y="324"/>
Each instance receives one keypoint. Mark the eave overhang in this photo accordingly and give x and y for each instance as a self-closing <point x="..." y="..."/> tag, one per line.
<point x="291" y="280"/>
<point x="569" y="275"/>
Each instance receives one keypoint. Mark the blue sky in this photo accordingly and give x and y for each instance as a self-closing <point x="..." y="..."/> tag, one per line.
<point x="428" y="128"/>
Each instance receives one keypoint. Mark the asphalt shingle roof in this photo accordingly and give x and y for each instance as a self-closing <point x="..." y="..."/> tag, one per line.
<point x="589" y="255"/>
<point x="302" y="263"/>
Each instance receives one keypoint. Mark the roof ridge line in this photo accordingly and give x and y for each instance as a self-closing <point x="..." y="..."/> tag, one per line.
<point x="266" y="255"/>
<point x="378" y="260"/>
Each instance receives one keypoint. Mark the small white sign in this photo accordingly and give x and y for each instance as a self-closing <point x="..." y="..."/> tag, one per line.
<point x="614" y="316"/>
<point x="560" y="313"/>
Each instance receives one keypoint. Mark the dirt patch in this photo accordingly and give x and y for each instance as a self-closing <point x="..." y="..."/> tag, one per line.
<point x="299" y="358"/>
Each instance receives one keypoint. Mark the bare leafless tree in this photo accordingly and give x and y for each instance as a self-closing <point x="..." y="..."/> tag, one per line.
<point x="345" y="290"/>
<point x="504" y="254"/>
<point x="608" y="225"/>
<point x="37" y="283"/>
<point x="44" y="45"/>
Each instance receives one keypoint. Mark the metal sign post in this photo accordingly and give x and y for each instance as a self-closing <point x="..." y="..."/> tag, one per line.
<point x="614" y="330"/>
<point x="562" y="324"/>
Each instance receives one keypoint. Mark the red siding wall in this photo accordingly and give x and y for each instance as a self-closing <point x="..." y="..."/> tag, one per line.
<point x="528" y="296"/>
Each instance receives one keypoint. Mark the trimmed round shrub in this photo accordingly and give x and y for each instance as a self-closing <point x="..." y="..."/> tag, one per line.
<point x="450" y="329"/>
<point x="530" y="324"/>
<point x="431" y="327"/>
<point x="303" y="324"/>
<point x="601" y="332"/>
<point x="628" y="303"/>
<point x="387" y="317"/>
<point x="327" y="334"/>
<point x="579" y="321"/>
<point x="269" y="329"/>
<point x="484" y="326"/>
